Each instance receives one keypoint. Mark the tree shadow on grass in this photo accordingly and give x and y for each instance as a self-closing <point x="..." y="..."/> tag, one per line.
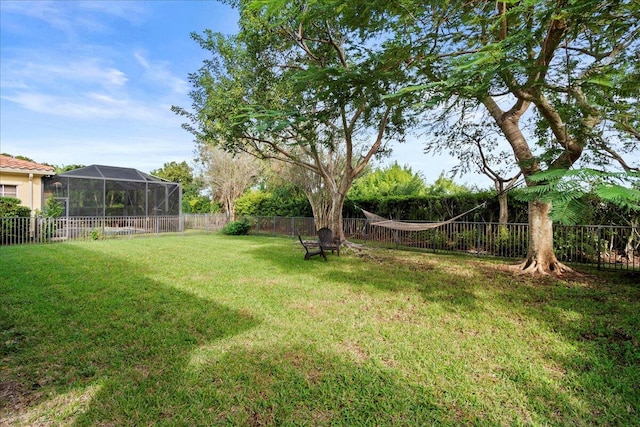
<point x="90" y="339"/>
<point x="596" y="318"/>
<point x="582" y="362"/>
<point x="380" y="270"/>
<point x="586" y="329"/>
<point x="302" y="385"/>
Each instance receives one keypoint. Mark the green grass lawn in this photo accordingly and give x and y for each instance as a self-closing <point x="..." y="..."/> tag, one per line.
<point x="221" y="330"/>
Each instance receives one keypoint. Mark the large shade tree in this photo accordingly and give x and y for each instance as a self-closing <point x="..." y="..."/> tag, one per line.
<point x="297" y="86"/>
<point x="568" y="68"/>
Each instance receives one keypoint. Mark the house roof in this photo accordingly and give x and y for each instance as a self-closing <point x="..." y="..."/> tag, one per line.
<point x="11" y="164"/>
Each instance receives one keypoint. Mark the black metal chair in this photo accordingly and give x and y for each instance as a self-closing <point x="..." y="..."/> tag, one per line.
<point x="312" y="249"/>
<point x="325" y="235"/>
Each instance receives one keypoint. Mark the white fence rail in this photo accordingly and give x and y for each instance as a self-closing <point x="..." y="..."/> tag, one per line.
<point x="43" y="230"/>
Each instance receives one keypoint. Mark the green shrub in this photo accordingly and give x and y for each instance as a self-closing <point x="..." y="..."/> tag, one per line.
<point x="250" y="203"/>
<point x="198" y="204"/>
<point x="273" y="203"/>
<point x="10" y="207"/>
<point x="13" y="230"/>
<point x="53" y="208"/>
<point x="237" y="228"/>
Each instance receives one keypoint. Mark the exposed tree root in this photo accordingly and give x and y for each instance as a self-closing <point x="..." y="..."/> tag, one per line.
<point x="532" y="265"/>
<point x="536" y="267"/>
<point x="361" y="250"/>
<point x="356" y="246"/>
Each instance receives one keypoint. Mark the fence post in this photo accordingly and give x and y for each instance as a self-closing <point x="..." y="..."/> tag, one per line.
<point x="598" y="240"/>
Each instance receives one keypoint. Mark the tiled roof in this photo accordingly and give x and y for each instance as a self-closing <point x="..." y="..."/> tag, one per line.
<point x="13" y="163"/>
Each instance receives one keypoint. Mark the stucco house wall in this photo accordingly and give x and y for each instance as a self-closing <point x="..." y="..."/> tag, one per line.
<point x="25" y="179"/>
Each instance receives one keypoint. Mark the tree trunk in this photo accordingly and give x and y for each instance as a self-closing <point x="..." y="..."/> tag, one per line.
<point x="328" y="213"/>
<point x="321" y="209"/>
<point x="629" y="248"/>
<point x="336" y="224"/>
<point x="504" y="209"/>
<point x="540" y="256"/>
<point x="503" y="219"/>
<point x="231" y="210"/>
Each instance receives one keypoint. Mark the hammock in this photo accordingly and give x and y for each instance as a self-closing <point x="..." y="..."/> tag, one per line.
<point x="379" y="221"/>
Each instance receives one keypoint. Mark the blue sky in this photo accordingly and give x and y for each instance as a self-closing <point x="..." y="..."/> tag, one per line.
<point x="93" y="82"/>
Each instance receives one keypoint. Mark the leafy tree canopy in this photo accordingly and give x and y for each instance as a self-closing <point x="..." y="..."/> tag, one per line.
<point x="444" y="186"/>
<point x="28" y="159"/>
<point x="394" y="180"/>
<point x="192" y="187"/>
<point x="558" y="78"/>
<point x="67" y="168"/>
<point x="176" y="172"/>
<point x="298" y="86"/>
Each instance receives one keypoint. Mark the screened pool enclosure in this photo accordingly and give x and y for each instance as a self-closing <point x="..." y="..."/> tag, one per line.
<point x="107" y="191"/>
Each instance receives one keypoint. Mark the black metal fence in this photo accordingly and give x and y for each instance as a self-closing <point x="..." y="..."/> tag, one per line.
<point x="610" y="247"/>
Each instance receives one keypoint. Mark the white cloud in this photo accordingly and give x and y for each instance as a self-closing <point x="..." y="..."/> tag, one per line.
<point x="132" y="11"/>
<point x="72" y="17"/>
<point x="142" y="149"/>
<point x="142" y="60"/>
<point x="85" y="88"/>
<point x="86" y="70"/>
<point x="85" y="106"/>
<point x="159" y="72"/>
<point x="82" y="83"/>
<point x="46" y="11"/>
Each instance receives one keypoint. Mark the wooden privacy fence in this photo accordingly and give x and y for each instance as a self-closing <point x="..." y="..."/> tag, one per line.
<point x="611" y="247"/>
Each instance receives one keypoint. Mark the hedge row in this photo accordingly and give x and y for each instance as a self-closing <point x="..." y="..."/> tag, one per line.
<point x="438" y="208"/>
<point x="428" y="208"/>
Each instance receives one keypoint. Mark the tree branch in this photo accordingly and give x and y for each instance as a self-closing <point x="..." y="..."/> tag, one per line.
<point x="376" y="146"/>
